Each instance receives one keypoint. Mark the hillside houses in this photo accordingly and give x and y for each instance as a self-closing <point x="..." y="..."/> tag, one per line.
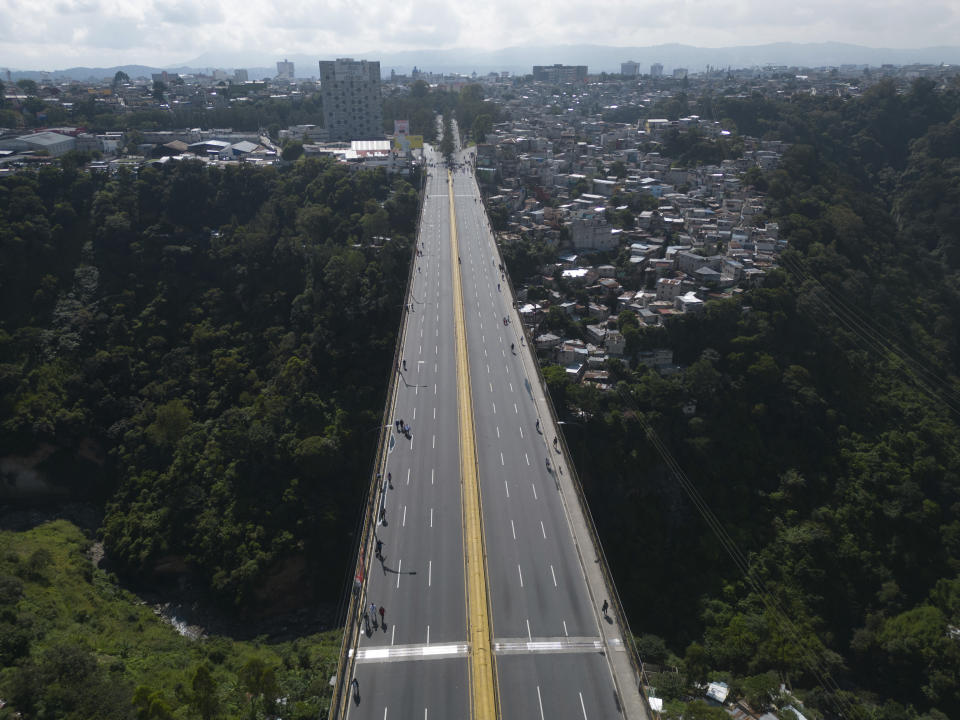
<point x="633" y="229"/>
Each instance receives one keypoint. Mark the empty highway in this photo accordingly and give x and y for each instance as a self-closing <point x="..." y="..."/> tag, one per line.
<point x="551" y="655"/>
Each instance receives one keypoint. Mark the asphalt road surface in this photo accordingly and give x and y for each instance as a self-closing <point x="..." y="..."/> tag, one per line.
<point x="549" y="656"/>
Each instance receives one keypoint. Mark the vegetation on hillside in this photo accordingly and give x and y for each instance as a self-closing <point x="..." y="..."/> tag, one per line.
<point x="205" y="351"/>
<point x="75" y="644"/>
<point x="825" y="435"/>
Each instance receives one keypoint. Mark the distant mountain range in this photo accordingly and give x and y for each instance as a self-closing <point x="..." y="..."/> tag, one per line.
<point x="520" y="60"/>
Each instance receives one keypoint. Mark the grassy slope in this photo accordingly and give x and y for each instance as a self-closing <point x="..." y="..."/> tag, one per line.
<point x="70" y="601"/>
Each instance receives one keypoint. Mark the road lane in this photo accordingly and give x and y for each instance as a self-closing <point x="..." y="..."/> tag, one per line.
<point x="537" y="585"/>
<point x="420" y="582"/>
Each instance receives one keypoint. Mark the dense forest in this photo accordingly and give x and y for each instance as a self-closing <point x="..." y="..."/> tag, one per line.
<point x="787" y="508"/>
<point x="170" y="335"/>
<point x="203" y="353"/>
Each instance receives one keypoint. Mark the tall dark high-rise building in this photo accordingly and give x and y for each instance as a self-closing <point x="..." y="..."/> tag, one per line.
<point x="284" y="70"/>
<point x="352" y="104"/>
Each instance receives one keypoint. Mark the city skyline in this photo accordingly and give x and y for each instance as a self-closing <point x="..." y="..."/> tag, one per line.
<point x="106" y="32"/>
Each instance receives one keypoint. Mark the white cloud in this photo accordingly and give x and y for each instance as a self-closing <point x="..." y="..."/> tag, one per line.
<point x="188" y="12"/>
<point x="162" y="32"/>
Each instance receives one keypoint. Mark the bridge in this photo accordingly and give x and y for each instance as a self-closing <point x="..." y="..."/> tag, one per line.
<point x="478" y="546"/>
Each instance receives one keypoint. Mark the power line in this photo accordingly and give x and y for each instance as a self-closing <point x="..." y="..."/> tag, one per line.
<point x="874" y="340"/>
<point x="809" y="655"/>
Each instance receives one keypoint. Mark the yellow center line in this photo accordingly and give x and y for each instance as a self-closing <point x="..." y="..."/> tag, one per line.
<point x="482" y="667"/>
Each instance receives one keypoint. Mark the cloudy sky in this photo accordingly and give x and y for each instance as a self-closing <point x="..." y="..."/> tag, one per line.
<point x="66" y="33"/>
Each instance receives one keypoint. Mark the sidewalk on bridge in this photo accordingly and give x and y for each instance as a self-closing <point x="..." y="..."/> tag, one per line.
<point x="627" y="681"/>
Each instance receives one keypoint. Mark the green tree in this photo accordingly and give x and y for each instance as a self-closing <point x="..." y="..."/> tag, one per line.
<point x="172" y="421"/>
<point x="204" y="697"/>
<point x="258" y="679"/>
<point x="375" y="223"/>
<point x="27" y="86"/>
<point x="482" y="125"/>
<point x="151" y="705"/>
<point x="292" y="151"/>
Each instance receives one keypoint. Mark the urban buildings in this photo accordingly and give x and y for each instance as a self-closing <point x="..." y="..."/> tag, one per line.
<point x="630" y="68"/>
<point x="352" y="104"/>
<point x="656" y="70"/>
<point x="284" y="70"/>
<point x="560" y="73"/>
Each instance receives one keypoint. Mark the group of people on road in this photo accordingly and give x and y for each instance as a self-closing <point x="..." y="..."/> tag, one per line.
<point x="400" y="425"/>
<point x="370" y="616"/>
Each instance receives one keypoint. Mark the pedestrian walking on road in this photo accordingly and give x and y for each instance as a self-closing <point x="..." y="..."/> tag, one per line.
<point x="404" y="364"/>
<point x="382" y="621"/>
<point x="538" y="424"/>
<point x="606" y="606"/>
<point x="390" y="480"/>
<point x="356" y="690"/>
<point x="379" y="549"/>
<point x="373" y="614"/>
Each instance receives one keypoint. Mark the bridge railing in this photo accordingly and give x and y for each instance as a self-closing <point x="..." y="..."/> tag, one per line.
<point x="367" y="523"/>
<point x="615" y="602"/>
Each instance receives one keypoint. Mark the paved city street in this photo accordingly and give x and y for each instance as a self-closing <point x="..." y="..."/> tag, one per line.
<point x="552" y="657"/>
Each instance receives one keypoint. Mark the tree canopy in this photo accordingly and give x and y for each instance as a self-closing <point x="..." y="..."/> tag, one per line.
<point x="207" y="350"/>
<point x="817" y="418"/>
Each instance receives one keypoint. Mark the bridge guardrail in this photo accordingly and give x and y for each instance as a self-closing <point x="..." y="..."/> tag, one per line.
<point x="351" y="634"/>
<point x="616" y="603"/>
